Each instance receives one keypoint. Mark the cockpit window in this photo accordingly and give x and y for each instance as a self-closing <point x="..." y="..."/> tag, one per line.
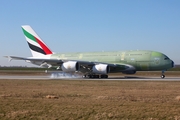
<point x="166" y="58"/>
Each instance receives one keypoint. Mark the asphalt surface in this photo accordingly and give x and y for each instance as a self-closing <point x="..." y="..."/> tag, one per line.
<point x="16" y="77"/>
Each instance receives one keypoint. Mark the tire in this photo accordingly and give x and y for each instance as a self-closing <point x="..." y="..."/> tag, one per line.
<point x="162" y="76"/>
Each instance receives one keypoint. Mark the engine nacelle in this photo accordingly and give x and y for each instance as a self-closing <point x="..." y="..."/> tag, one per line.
<point x="101" y="69"/>
<point x="70" y="66"/>
<point x="129" y="70"/>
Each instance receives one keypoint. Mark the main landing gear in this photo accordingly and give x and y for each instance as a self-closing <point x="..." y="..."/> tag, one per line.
<point x="163" y="76"/>
<point x="95" y="76"/>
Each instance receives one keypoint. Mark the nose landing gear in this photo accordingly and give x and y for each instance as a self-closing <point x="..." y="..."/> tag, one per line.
<point x="163" y="76"/>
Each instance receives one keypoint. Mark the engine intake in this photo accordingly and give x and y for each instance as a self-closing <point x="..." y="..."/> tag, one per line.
<point x="70" y="66"/>
<point x="101" y="69"/>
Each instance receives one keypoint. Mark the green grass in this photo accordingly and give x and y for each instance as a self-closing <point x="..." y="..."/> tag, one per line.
<point x="85" y="99"/>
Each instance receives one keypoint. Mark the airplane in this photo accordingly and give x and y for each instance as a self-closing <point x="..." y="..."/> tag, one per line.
<point x="93" y="64"/>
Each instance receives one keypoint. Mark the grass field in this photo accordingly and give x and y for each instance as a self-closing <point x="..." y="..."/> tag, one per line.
<point x="85" y="99"/>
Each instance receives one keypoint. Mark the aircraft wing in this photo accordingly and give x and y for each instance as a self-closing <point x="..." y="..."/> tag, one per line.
<point x="53" y="62"/>
<point x="38" y="61"/>
<point x="86" y="65"/>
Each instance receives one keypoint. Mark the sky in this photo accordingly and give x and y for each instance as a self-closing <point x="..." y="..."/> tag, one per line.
<point x="91" y="25"/>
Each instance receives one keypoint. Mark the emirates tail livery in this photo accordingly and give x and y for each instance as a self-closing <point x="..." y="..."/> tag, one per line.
<point x="93" y="64"/>
<point x="36" y="45"/>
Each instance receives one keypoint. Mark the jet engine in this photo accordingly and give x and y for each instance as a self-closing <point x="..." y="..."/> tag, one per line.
<point x="70" y="66"/>
<point x="101" y="69"/>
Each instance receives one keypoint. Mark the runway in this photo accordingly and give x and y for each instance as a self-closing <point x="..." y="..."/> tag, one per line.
<point x="125" y="78"/>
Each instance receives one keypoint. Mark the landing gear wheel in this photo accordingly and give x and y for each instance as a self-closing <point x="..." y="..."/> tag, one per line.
<point x="96" y="76"/>
<point x="90" y="76"/>
<point x="104" y="76"/>
<point x="162" y="76"/>
<point x="84" y="76"/>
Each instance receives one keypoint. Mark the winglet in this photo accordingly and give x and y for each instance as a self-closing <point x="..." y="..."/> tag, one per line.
<point x="9" y="58"/>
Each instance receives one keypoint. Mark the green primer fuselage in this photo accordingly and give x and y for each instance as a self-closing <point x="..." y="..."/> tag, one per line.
<point x="141" y="60"/>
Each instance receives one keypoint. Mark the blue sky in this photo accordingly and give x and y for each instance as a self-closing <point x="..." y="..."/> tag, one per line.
<point x="91" y="25"/>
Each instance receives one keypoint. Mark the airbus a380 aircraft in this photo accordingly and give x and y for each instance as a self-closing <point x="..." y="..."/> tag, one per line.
<point x="93" y="64"/>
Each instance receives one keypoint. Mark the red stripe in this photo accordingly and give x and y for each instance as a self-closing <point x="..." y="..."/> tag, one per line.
<point x="44" y="47"/>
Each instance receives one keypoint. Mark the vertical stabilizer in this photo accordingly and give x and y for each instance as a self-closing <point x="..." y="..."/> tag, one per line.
<point x="36" y="45"/>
